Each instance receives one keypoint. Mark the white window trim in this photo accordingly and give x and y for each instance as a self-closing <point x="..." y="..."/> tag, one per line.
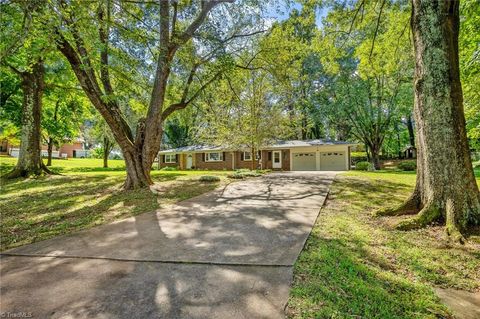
<point x="170" y="156"/>
<point x="220" y="157"/>
<point x="245" y="158"/>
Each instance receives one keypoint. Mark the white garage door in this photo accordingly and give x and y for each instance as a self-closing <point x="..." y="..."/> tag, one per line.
<point x="332" y="161"/>
<point x="304" y="161"/>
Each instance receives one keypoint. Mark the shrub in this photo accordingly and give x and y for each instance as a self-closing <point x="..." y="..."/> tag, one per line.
<point x="407" y="165"/>
<point x="168" y="168"/>
<point x="245" y="172"/>
<point x="209" y="178"/>
<point x="364" y="166"/>
<point x="236" y="176"/>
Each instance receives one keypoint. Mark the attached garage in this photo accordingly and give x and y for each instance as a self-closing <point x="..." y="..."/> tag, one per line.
<point x="333" y="161"/>
<point x="304" y="161"/>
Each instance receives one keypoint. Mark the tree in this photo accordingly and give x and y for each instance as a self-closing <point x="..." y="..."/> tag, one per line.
<point x="241" y="114"/>
<point x="113" y="28"/>
<point x="470" y="68"/>
<point x="445" y="187"/>
<point x="99" y="134"/>
<point x="61" y="120"/>
<point x="24" y="54"/>
<point x="65" y="105"/>
<point x="374" y="63"/>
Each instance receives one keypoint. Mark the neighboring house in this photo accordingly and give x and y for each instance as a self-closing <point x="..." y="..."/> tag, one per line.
<point x="410" y="152"/>
<point x="67" y="150"/>
<point x="4" y="145"/>
<point x="312" y="155"/>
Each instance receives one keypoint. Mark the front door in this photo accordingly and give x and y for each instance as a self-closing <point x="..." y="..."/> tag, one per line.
<point x="277" y="159"/>
<point x="189" y="161"/>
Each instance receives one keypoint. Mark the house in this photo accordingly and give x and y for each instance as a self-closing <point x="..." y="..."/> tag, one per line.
<point x="295" y="155"/>
<point x="75" y="148"/>
<point x="410" y="152"/>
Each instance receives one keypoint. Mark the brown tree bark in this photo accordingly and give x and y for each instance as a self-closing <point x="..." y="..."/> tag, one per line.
<point x="411" y="134"/>
<point x="107" y="149"/>
<point x="49" y="151"/>
<point x="50" y="139"/>
<point x="106" y="152"/>
<point x="30" y="160"/>
<point x="446" y="190"/>
<point x="140" y="150"/>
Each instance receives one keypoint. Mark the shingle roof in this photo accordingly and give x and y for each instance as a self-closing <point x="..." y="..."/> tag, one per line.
<point x="278" y="144"/>
<point x="306" y="143"/>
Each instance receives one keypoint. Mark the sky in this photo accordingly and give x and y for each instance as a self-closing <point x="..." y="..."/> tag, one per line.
<point x="280" y="10"/>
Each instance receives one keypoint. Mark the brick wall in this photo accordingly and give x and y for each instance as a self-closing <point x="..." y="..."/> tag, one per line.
<point x="163" y="164"/>
<point x="286" y="160"/>
<point x="200" y="163"/>
<point x="239" y="163"/>
<point x="69" y="148"/>
<point x="267" y="159"/>
<point x="221" y="165"/>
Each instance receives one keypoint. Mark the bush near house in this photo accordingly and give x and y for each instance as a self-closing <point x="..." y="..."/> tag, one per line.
<point x="168" y="168"/>
<point x="407" y="165"/>
<point x="364" y="166"/>
<point x="209" y="178"/>
<point x="244" y="173"/>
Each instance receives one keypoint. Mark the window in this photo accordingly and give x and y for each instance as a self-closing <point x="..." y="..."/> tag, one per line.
<point x="247" y="156"/>
<point x="170" y="158"/>
<point x="213" y="157"/>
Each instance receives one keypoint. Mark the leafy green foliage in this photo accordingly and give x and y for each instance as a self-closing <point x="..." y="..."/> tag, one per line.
<point x="470" y="68"/>
<point x="209" y="178"/>
<point x="364" y="166"/>
<point x="407" y="165"/>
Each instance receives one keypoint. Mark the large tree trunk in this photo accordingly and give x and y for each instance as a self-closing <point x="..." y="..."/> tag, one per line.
<point x="446" y="189"/>
<point x="30" y="160"/>
<point x="138" y="175"/>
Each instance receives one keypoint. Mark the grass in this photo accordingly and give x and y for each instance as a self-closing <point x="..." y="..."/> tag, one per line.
<point x="83" y="196"/>
<point x="357" y="266"/>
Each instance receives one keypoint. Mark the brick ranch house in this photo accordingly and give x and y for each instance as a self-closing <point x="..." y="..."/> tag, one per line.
<point x="295" y="155"/>
<point x="73" y="149"/>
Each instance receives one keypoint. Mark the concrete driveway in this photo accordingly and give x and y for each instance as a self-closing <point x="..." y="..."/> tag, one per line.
<point x="225" y="254"/>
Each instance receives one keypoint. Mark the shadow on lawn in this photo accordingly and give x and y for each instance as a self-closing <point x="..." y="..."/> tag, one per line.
<point x="339" y="278"/>
<point x="37" y="209"/>
<point x="355" y="265"/>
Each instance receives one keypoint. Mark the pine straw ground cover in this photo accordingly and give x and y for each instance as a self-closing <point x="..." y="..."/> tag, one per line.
<point x="355" y="265"/>
<point x="83" y="196"/>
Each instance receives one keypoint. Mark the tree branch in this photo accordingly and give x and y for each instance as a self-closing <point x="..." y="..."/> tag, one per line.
<point x="376" y="28"/>
<point x="206" y="6"/>
<point x="103" y="33"/>
<point x="184" y="103"/>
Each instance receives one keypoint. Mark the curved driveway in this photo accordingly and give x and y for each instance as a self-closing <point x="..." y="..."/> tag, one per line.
<point x="225" y="254"/>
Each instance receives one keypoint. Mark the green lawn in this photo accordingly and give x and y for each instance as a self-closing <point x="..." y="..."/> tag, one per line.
<point x="84" y="195"/>
<point x="355" y="265"/>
